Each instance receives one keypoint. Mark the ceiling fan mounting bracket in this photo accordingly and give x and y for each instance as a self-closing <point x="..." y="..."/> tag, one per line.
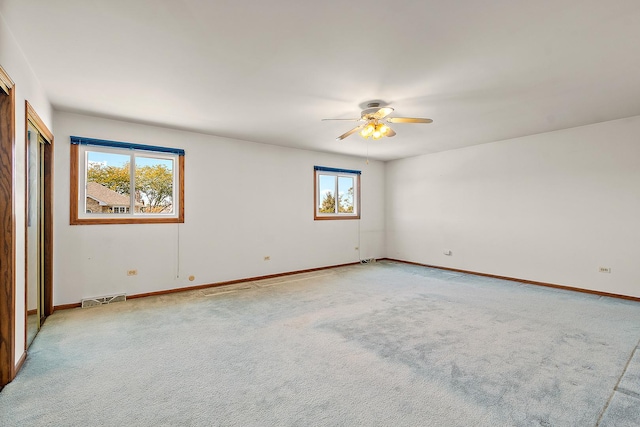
<point x="374" y="103"/>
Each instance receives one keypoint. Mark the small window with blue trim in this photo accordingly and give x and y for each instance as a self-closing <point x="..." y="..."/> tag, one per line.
<point x="122" y="183"/>
<point x="336" y="193"/>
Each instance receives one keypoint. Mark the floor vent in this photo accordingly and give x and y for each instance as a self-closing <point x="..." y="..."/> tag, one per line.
<point x="367" y="261"/>
<point x="92" y="302"/>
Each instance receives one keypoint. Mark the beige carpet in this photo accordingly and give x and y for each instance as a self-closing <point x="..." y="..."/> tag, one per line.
<point x="382" y="344"/>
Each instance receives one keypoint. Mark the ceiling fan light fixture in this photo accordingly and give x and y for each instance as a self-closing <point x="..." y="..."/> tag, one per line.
<point x="367" y="130"/>
<point x="383" y="129"/>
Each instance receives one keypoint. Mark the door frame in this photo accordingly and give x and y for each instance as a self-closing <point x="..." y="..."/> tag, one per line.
<point x="7" y="229"/>
<point x="31" y="116"/>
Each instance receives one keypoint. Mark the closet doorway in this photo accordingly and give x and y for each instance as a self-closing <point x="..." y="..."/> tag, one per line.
<point x="38" y="216"/>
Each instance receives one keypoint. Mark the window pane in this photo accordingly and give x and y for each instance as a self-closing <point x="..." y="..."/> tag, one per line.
<point x="326" y="194"/>
<point x="107" y="182"/>
<point x="154" y="185"/>
<point x="345" y="194"/>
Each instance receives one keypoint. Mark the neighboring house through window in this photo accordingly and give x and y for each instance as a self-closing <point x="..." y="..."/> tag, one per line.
<point x="101" y="199"/>
<point x="336" y="193"/>
<point x="122" y="183"/>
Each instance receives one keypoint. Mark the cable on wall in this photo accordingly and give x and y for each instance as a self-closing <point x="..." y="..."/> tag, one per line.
<point x="359" y="248"/>
<point x="177" y="251"/>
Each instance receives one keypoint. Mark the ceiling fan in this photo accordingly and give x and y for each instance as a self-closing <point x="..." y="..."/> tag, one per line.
<point x="373" y="126"/>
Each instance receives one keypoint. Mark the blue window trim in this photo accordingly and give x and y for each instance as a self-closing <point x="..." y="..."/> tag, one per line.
<point x="79" y="140"/>
<point x="326" y="169"/>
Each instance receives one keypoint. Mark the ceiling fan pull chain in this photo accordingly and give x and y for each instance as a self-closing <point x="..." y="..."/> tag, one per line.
<point x="367" y="143"/>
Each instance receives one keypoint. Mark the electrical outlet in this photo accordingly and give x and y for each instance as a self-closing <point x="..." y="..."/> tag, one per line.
<point x="267" y="258"/>
<point x="448" y="253"/>
<point x="605" y="270"/>
<point x="132" y="272"/>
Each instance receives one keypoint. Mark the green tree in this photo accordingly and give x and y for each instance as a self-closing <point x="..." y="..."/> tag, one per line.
<point x="345" y="202"/>
<point x="113" y="177"/>
<point x="154" y="183"/>
<point x="328" y="203"/>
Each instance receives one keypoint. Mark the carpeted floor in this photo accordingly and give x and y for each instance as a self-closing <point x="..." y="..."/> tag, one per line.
<point x="383" y="344"/>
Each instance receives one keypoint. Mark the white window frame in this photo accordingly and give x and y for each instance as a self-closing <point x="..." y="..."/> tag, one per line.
<point x="318" y="199"/>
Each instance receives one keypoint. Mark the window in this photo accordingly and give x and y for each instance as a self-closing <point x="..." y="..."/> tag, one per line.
<point x="123" y="183"/>
<point x="336" y="194"/>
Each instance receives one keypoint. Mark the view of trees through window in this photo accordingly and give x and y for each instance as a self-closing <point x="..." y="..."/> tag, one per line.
<point x="109" y="184"/>
<point x="336" y="194"/>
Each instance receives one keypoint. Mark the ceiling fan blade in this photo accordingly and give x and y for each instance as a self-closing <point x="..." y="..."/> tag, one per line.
<point x="351" y="132"/>
<point x="376" y="113"/>
<point x="382" y="113"/>
<point x="408" y="120"/>
<point x="390" y="133"/>
<point x="348" y="120"/>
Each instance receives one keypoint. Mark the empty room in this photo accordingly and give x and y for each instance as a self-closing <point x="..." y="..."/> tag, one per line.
<point x="334" y="213"/>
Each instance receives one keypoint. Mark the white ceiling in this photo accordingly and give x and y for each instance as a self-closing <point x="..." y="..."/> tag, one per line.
<point x="268" y="71"/>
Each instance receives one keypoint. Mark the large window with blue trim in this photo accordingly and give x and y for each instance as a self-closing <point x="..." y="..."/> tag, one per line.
<point x="337" y="193"/>
<point x="121" y="183"/>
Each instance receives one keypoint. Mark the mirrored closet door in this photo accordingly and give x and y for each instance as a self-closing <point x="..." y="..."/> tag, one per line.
<point x="35" y="232"/>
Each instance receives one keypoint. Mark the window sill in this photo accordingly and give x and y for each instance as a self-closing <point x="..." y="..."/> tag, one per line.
<point x="331" y="218"/>
<point x="103" y="221"/>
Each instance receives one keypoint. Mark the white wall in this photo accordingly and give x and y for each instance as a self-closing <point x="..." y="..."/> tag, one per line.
<point x="244" y="201"/>
<point x="27" y="87"/>
<point x="552" y="207"/>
